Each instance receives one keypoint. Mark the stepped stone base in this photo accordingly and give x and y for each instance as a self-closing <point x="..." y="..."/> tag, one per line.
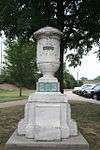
<point x="21" y="143"/>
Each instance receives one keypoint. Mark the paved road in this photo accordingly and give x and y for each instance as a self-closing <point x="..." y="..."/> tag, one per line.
<point x="73" y="97"/>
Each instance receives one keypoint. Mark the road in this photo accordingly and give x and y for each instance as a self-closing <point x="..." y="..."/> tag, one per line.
<point x="73" y="97"/>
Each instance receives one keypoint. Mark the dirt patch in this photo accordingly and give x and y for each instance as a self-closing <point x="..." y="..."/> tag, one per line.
<point x="8" y="86"/>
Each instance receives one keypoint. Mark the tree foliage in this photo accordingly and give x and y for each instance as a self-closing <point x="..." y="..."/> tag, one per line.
<point x="79" y="20"/>
<point x="97" y="78"/>
<point x="69" y="80"/>
<point x="20" y="63"/>
<point x="83" y="78"/>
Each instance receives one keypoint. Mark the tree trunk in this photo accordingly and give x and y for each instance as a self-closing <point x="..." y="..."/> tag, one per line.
<point x="20" y="91"/>
<point x="60" y="71"/>
<point x="60" y="25"/>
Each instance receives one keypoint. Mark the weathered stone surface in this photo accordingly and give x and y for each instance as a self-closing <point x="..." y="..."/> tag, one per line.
<point x="21" y="143"/>
<point x="48" y="52"/>
<point x="47" y="120"/>
<point x="47" y="115"/>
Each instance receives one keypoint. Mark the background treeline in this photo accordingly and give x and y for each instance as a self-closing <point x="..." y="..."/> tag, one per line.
<point x="20" y="63"/>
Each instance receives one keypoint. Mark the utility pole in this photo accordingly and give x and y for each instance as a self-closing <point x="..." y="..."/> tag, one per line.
<point x="77" y="77"/>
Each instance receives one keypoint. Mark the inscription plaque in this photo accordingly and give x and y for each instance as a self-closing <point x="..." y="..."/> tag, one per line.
<point x="48" y="87"/>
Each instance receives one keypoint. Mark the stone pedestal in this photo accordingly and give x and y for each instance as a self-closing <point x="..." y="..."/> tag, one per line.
<point x="21" y="143"/>
<point x="47" y="116"/>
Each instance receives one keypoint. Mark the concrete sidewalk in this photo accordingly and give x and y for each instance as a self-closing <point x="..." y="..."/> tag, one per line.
<point x="12" y="103"/>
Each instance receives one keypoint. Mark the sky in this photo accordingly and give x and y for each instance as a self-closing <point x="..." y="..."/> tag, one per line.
<point x="90" y="66"/>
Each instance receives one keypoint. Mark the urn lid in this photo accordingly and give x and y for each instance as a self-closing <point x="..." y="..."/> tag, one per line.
<point x="48" y="31"/>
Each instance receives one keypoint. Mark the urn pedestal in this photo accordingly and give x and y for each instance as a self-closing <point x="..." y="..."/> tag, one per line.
<point x="47" y="115"/>
<point x="47" y="118"/>
<point x="47" y="122"/>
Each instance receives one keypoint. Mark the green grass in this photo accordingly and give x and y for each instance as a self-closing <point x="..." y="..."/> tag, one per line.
<point x="87" y="116"/>
<point x="12" y="95"/>
<point x="9" y="118"/>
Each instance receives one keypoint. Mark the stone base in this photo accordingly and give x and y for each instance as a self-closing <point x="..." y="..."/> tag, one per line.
<point x="21" y="143"/>
<point x="47" y="117"/>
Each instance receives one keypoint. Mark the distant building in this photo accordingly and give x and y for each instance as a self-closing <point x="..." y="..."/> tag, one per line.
<point x="91" y="81"/>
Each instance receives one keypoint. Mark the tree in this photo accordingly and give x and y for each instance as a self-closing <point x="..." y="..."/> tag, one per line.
<point x="97" y="78"/>
<point x="69" y="81"/>
<point x="83" y="79"/>
<point x="79" y="20"/>
<point x="20" y="63"/>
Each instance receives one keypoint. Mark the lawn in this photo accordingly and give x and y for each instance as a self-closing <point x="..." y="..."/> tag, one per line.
<point x="12" y="95"/>
<point x="87" y="116"/>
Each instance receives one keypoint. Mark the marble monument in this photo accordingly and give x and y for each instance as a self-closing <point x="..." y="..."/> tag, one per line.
<point x="47" y="113"/>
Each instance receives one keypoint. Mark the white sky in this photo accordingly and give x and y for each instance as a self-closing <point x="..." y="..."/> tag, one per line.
<point x="90" y="66"/>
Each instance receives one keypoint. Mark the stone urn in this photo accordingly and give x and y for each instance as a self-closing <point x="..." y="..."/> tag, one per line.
<point x="48" y="52"/>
